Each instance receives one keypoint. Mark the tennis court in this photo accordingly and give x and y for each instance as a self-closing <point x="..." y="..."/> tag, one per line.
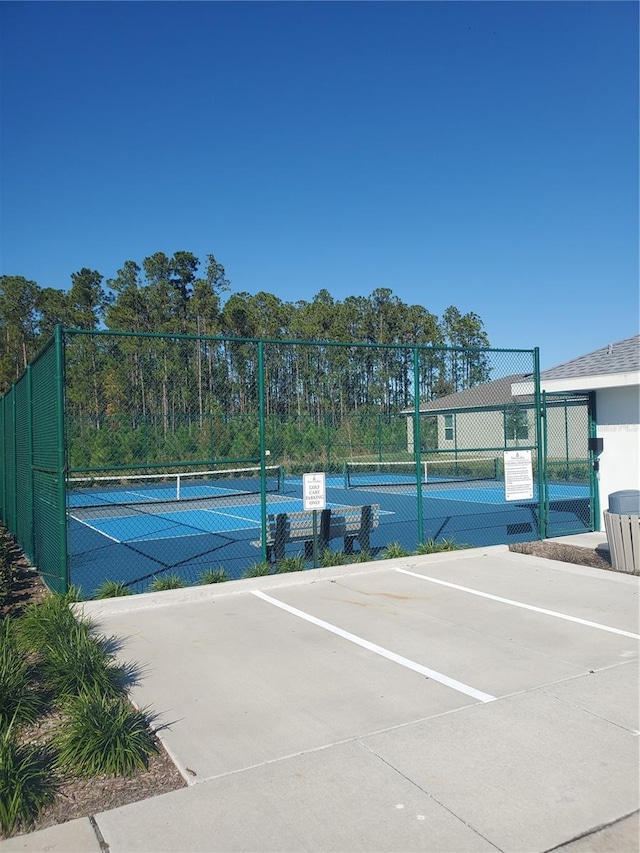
<point x="135" y="528"/>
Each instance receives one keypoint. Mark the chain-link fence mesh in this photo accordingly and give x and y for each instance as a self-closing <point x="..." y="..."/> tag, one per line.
<point x="184" y="457"/>
<point x="33" y="484"/>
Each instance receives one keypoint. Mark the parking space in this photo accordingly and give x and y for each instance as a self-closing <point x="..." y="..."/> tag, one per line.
<point x="492" y="697"/>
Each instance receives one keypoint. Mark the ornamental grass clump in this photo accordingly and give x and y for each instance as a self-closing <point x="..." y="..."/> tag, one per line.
<point x="105" y="735"/>
<point x="82" y="662"/>
<point x="213" y="576"/>
<point x="112" y="589"/>
<point x="27" y="783"/>
<point x="291" y="564"/>
<point x="167" y="582"/>
<point x="394" y="551"/>
<point x="433" y="547"/>
<point x="22" y="699"/>
<point x="258" y="570"/>
<point x="48" y="623"/>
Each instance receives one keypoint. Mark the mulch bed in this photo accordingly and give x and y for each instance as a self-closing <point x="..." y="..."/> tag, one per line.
<point x="85" y="797"/>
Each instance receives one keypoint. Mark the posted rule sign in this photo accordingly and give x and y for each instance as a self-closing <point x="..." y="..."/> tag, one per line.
<point x="518" y="475"/>
<point x="314" y="491"/>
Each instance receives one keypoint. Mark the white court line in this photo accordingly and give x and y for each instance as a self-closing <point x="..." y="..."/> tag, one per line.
<point x="379" y="650"/>
<point x="510" y="601"/>
<point x="95" y="529"/>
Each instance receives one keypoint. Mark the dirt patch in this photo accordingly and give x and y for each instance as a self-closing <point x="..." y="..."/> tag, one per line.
<point x="566" y="553"/>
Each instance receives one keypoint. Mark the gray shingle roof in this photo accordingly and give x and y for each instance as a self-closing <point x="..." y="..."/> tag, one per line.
<point x="621" y="357"/>
<point x="496" y="393"/>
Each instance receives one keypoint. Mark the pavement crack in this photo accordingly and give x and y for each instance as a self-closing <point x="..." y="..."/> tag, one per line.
<point x="100" y="837"/>
<point x="430" y="795"/>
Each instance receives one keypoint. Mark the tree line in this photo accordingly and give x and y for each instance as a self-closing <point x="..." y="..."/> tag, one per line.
<point x="179" y="295"/>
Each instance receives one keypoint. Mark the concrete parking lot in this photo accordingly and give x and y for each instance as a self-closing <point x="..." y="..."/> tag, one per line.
<point x="472" y="701"/>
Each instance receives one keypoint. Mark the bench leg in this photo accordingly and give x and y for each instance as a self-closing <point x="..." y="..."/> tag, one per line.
<point x="366" y="519"/>
<point x="280" y="537"/>
<point x="348" y="544"/>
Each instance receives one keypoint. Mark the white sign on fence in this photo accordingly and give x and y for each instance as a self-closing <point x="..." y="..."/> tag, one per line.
<point x="518" y="475"/>
<point x="314" y="491"/>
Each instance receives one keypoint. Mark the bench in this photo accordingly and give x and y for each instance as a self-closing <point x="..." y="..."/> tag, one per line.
<point x="348" y="523"/>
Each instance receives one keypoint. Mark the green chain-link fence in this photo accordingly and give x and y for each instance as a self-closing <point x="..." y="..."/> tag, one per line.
<point x="135" y="458"/>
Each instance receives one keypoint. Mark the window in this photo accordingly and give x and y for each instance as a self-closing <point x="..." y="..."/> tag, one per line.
<point x="448" y="427"/>
<point x="516" y="427"/>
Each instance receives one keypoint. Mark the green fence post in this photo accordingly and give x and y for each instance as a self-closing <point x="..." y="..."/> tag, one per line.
<point x="263" y="448"/>
<point x="417" y="444"/>
<point x="541" y="454"/>
<point x="594" y="481"/>
<point x="61" y="454"/>
<point x="30" y="547"/>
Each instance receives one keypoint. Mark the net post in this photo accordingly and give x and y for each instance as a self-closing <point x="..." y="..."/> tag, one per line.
<point x="177" y="487"/>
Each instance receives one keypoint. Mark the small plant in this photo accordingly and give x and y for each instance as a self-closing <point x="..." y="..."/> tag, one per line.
<point x="105" y="736"/>
<point x="81" y="662"/>
<point x="291" y="564"/>
<point x="362" y="557"/>
<point x="47" y="623"/>
<point x="167" y="582"/>
<point x="258" y="570"/>
<point x="26" y="782"/>
<point x="393" y="551"/>
<point x="112" y="589"/>
<point x="334" y="558"/>
<point x="433" y="547"/>
<point x="21" y="700"/>
<point x="214" y="576"/>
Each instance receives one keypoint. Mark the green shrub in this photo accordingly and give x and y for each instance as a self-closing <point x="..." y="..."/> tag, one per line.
<point x="81" y="662"/>
<point x="167" y="582"/>
<point x="291" y="564"/>
<point x="104" y="735"/>
<point x="27" y="783"/>
<point x="258" y="570"/>
<point x="334" y="558"/>
<point x="393" y="551"/>
<point x="362" y="557"/>
<point x="49" y="622"/>
<point x="112" y="589"/>
<point x="433" y="547"/>
<point x="21" y="699"/>
<point x="214" y="576"/>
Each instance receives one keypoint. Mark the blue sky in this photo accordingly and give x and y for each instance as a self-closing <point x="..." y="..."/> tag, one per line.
<point x="482" y="155"/>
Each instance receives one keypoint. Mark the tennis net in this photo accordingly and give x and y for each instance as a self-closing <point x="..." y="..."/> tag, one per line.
<point x="119" y="490"/>
<point x="432" y="471"/>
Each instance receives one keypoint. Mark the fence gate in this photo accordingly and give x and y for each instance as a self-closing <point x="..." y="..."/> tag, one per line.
<point x="569" y="479"/>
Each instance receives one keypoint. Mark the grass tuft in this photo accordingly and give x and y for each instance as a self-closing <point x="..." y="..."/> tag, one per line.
<point x="105" y="736"/>
<point x="21" y="698"/>
<point x="393" y="551"/>
<point x="167" y="582"/>
<point x="27" y="784"/>
<point x="214" y="576"/>
<point x="258" y="570"/>
<point x="433" y="547"/>
<point x="112" y="589"/>
<point x="334" y="558"/>
<point x="290" y="564"/>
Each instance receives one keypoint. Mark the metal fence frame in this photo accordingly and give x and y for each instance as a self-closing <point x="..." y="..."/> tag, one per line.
<point x="34" y="439"/>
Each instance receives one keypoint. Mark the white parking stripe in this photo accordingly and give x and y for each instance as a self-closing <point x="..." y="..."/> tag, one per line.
<point x="521" y="604"/>
<point x="379" y="650"/>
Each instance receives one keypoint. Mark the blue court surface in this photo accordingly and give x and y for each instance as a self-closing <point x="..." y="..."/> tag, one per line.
<point x="138" y="534"/>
